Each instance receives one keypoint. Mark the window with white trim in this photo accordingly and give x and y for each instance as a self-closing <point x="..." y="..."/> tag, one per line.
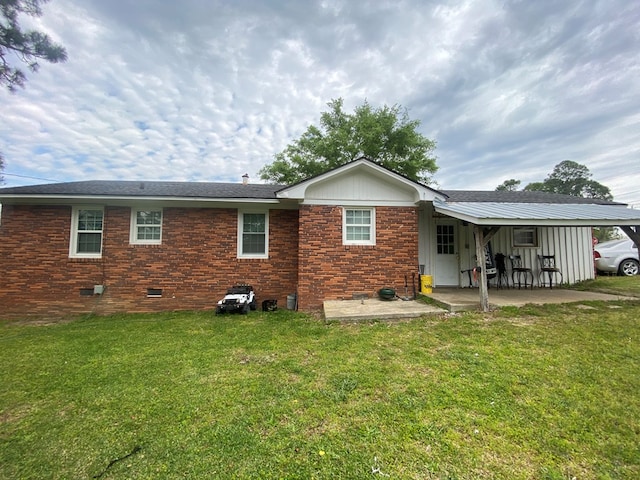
<point x="86" y="232"/>
<point x="146" y="226"/>
<point x="253" y="234"/>
<point x="525" y="236"/>
<point x="358" y="226"/>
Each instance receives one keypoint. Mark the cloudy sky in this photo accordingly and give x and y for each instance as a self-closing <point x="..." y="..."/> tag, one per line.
<point x="206" y="90"/>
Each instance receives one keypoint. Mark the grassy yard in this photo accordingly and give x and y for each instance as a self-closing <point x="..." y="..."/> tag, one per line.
<point x="612" y="284"/>
<point x="532" y="393"/>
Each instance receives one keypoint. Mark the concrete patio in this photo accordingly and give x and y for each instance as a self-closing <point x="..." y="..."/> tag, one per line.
<point x="460" y="299"/>
<point x="453" y="300"/>
<point x="374" y="308"/>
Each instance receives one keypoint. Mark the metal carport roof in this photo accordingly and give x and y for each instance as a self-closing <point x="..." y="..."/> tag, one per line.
<point x="549" y="214"/>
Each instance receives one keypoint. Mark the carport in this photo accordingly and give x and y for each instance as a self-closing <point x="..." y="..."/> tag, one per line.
<point x="488" y="217"/>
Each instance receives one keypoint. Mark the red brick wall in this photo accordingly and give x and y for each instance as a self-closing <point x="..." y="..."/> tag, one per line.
<point x="330" y="270"/>
<point x="194" y="266"/>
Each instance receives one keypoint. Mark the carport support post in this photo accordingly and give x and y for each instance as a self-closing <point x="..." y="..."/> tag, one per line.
<point x="480" y="260"/>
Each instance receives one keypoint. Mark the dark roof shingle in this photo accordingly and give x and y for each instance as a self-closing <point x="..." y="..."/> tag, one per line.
<point x="110" y="188"/>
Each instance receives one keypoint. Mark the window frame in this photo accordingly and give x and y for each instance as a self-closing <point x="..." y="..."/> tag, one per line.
<point x="133" y="233"/>
<point x="75" y="232"/>
<point x="241" y="214"/>
<point x="446" y="239"/>
<point x="371" y="225"/>
<point x="534" y="234"/>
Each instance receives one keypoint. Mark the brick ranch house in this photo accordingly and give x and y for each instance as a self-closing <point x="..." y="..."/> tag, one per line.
<point x="137" y="246"/>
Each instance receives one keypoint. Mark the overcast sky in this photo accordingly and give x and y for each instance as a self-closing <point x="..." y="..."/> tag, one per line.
<point x="204" y="90"/>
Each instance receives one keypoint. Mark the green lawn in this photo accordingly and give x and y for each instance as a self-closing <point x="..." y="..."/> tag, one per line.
<point x="538" y="392"/>
<point x="612" y="284"/>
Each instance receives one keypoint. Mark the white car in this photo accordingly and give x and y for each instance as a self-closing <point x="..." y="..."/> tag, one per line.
<point x="617" y="256"/>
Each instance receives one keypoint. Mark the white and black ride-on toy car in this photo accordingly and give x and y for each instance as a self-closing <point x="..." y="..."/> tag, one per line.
<point x="239" y="298"/>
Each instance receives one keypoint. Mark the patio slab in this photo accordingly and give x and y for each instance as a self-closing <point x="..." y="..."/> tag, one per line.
<point x="454" y="300"/>
<point x="374" y="308"/>
<point x="460" y="299"/>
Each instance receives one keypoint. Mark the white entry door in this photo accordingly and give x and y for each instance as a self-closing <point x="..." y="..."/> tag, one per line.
<point x="447" y="259"/>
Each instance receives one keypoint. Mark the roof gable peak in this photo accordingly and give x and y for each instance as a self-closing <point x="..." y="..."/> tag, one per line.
<point x="364" y="168"/>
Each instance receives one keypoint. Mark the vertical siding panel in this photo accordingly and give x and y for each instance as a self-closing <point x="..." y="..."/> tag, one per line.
<point x="552" y="242"/>
<point x="560" y="248"/>
<point x="577" y="256"/>
<point x="587" y="241"/>
<point x="466" y="252"/>
<point x="570" y="250"/>
<point x="502" y="245"/>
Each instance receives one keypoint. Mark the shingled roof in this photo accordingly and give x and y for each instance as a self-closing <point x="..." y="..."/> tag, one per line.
<point x="238" y="191"/>
<point x="110" y="188"/>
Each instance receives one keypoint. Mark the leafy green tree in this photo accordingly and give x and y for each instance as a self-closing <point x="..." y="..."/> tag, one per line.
<point x="27" y="46"/>
<point x="539" y="186"/>
<point x="572" y="178"/>
<point x="510" y="185"/>
<point x="385" y="135"/>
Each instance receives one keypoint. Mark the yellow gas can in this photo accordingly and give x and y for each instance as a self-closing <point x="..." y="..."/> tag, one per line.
<point x="426" y="284"/>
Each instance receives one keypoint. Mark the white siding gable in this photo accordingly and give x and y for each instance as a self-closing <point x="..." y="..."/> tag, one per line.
<point x="361" y="182"/>
<point x="361" y="188"/>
